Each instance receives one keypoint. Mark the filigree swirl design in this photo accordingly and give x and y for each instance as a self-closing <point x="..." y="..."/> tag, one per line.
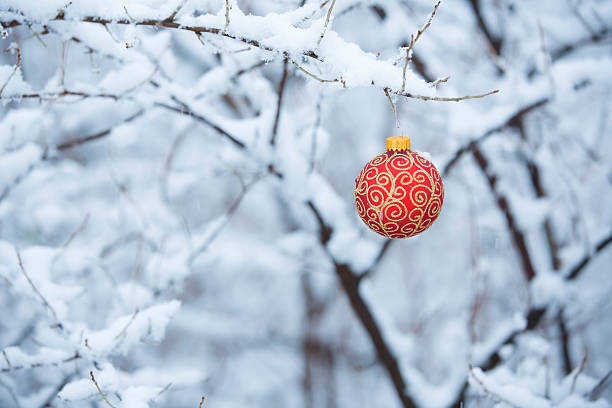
<point x="399" y="194"/>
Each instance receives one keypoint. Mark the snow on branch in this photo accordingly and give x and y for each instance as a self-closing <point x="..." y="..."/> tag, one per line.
<point x="295" y="36"/>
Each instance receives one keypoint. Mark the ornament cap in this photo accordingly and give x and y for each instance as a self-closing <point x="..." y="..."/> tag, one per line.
<point x="398" y="143"/>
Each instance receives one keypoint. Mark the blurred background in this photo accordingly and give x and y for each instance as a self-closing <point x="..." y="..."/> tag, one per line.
<point x="177" y="214"/>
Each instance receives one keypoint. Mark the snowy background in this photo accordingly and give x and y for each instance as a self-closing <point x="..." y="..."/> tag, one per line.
<point x="177" y="217"/>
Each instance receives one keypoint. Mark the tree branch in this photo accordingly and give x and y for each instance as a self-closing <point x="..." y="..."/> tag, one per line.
<point x="82" y="140"/>
<point x="580" y="266"/>
<point x="350" y="283"/>
<point x="513" y="121"/>
<point x="517" y="235"/>
<point x="281" y="89"/>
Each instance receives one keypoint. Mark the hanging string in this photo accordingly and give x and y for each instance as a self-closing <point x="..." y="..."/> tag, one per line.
<point x="397" y="122"/>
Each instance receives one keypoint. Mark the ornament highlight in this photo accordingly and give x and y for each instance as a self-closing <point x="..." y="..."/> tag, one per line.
<point x="399" y="193"/>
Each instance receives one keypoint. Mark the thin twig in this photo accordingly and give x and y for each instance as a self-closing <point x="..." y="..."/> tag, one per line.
<point x="77" y="231"/>
<point x="413" y="40"/>
<point x="15" y="68"/>
<point x="281" y="89"/>
<point x="576" y="270"/>
<point x="601" y="385"/>
<point x="227" y="19"/>
<point x="52" y="96"/>
<point x="487" y="391"/>
<point x="201" y="403"/>
<point x="315" y="131"/>
<point x="313" y="75"/>
<point x="439" y="81"/>
<point x="40" y="295"/>
<point x="82" y="140"/>
<point x="406" y="67"/>
<point x="100" y="390"/>
<point x="329" y="13"/>
<point x="580" y="370"/>
<point x="443" y="99"/>
<point x="397" y="123"/>
<point x="218" y="228"/>
<point x="123" y="331"/>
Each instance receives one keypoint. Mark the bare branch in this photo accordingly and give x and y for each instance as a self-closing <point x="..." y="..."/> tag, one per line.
<point x="406" y="67"/>
<point x="601" y="385"/>
<point x="313" y="75"/>
<point x="100" y="390"/>
<point x="34" y="288"/>
<point x="185" y="110"/>
<point x="329" y="13"/>
<point x="15" y="68"/>
<point x="494" y="42"/>
<point x="516" y="234"/>
<point x="74" y="233"/>
<point x="580" y="370"/>
<point x="281" y="89"/>
<point x="444" y="99"/>
<point x="576" y="270"/>
<point x="350" y="283"/>
<point x="439" y="81"/>
<point x="511" y="122"/>
<point x="201" y="403"/>
<point x="397" y="123"/>
<point x="487" y="391"/>
<point x="420" y="32"/>
<point x="227" y="19"/>
<point x="82" y="140"/>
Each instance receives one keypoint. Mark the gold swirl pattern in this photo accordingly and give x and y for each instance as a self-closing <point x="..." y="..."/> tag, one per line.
<point x="399" y="194"/>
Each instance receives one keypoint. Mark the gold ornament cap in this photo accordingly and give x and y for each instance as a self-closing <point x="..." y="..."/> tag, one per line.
<point x="395" y="143"/>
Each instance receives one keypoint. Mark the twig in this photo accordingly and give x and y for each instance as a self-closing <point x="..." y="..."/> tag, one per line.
<point x="315" y="131"/>
<point x="379" y="257"/>
<point x="52" y="96"/>
<point x="185" y="110"/>
<point x="564" y="338"/>
<point x="313" y="75"/>
<point x="227" y="18"/>
<point x="439" y="81"/>
<point x="443" y="99"/>
<point x="329" y="13"/>
<point x="580" y="370"/>
<point x="15" y="68"/>
<point x="74" y="357"/>
<point x="487" y="391"/>
<point x="100" y="390"/>
<point x="397" y="123"/>
<point x="601" y="385"/>
<point x="281" y="89"/>
<point x="495" y="43"/>
<point x="228" y="214"/>
<point x="201" y="403"/>
<point x="82" y="140"/>
<point x="420" y="32"/>
<point x="511" y="122"/>
<point x="129" y="323"/>
<point x="576" y="270"/>
<point x="406" y="67"/>
<point x="74" y="233"/>
<point x="42" y="298"/>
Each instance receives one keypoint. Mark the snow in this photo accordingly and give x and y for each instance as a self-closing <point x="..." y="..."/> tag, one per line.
<point x="173" y="263"/>
<point x="143" y="325"/>
<point x="16" y="163"/>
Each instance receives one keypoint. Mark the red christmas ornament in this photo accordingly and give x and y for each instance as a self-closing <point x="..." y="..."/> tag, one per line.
<point x="399" y="194"/>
